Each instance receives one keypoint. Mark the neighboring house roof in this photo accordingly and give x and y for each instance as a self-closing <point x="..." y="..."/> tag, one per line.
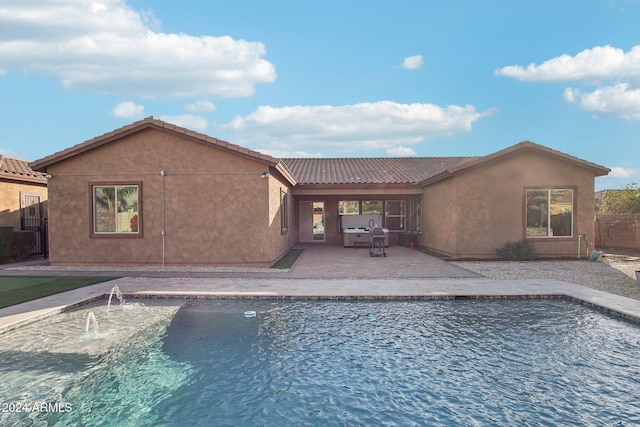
<point x="381" y="170"/>
<point x="19" y="170"/>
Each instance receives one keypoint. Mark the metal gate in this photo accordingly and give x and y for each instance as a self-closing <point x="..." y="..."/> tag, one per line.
<point x="31" y="219"/>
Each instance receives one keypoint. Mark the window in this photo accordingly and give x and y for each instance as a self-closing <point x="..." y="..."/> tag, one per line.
<point x="284" y="214"/>
<point x="372" y="207"/>
<point x="116" y="209"/>
<point x="349" y="207"/>
<point x="549" y="213"/>
<point x="395" y="215"/>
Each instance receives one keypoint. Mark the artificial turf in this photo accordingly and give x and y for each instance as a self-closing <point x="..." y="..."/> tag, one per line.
<point x="18" y="289"/>
<point x="287" y="261"/>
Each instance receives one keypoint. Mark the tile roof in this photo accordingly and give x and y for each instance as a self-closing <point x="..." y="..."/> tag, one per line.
<point x="150" y="122"/>
<point x="19" y="170"/>
<point x="328" y="171"/>
<point x="376" y="170"/>
<point x="409" y="170"/>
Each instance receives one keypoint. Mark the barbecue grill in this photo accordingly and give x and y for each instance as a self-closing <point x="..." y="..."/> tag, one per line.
<point x="377" y="238"/>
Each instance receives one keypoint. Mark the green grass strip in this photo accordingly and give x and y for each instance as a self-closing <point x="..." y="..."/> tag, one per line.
<point x="19" y="289"/>
<point x="287" y="261"/>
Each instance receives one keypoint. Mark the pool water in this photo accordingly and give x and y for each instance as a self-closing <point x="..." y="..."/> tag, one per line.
<point x="463" y="362"/>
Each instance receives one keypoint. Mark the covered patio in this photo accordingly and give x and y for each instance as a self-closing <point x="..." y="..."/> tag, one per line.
<point x="337" y="262"/>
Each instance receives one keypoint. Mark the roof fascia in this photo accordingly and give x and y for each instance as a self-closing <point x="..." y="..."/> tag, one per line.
<point x="436" y="178"/>
<point x="23" y="178"/>
<point x="151" y="123"/>
<point x="282" y="169"/>
<point x="42" y="164"/>
<point x="529" y="146"/>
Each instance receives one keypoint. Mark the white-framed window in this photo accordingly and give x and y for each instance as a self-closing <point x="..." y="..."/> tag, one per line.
<point x="116" y="209"/>
<point x="395" y="215"/>
<point x="549" y="212"/>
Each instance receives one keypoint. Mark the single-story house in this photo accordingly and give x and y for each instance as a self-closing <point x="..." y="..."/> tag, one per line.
<point x="154" y="193"/>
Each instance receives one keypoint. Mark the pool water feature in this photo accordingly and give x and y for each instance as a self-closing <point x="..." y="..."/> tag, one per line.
<point x="468" y="362"/>
<point x="115" y="291"/>
<point x="91" y="322"/>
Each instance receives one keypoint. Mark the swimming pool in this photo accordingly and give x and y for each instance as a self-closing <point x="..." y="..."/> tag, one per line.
<point x="462" y="362"/>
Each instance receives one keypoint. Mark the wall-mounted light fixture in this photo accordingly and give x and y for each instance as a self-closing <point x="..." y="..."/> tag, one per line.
<point x="264" y="175"/>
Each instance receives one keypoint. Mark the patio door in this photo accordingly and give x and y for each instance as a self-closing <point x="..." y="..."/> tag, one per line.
<point x="311" y="222"/>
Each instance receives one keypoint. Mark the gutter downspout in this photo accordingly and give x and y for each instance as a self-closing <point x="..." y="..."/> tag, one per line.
<point x="162" y="232"/>
<point x="580" y="237"/>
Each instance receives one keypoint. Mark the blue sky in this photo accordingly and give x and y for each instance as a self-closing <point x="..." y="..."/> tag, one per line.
<point x="333" y="78"/>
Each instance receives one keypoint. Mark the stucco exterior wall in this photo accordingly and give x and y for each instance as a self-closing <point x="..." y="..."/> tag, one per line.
<point x="438" y="218"/>
<point x="212" y="205"/>
<point x="279" y="240"/>
<point x="480" y="209"/>
<point x="10" y="193"/>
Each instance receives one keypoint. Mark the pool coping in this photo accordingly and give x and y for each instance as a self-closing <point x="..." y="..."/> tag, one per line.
<point x="319" y="289"/>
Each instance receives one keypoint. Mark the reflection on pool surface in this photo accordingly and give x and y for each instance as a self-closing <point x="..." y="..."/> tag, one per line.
<point x="490" y="362"/>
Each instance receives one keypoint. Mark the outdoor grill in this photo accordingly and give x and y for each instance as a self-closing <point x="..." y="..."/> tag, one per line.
<point x="377" y="242"/>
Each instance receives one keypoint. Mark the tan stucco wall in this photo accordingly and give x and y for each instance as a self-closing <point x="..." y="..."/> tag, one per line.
<point x="438" y="217"/>
<point x="10" y="192"/>
<point x="280" y="241"/>
<point x="478" y="210"/>
<point x="216" y="207"/>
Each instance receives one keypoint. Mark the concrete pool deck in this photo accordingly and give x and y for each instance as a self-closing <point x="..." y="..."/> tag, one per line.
<point x="384" y="289"/>
<point x="333" y="273"/>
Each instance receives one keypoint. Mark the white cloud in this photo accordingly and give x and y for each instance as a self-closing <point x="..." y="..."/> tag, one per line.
<point x="189" y="121"/>
<point x="128" y="110"/>
<point x="600" y="63"/>
<point x="283" y="154"/>
<point x="570" y="95"/>
<point x="6" y="152"/>
<point x="107" y="46"/>
<point x="401" y="152"/>
<point x="412" y="62"/>
<point x="200" y="107"/>
<point x="619" y="100"/>
<point x="620" y="172"/>
<point x="359" y="127"/>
